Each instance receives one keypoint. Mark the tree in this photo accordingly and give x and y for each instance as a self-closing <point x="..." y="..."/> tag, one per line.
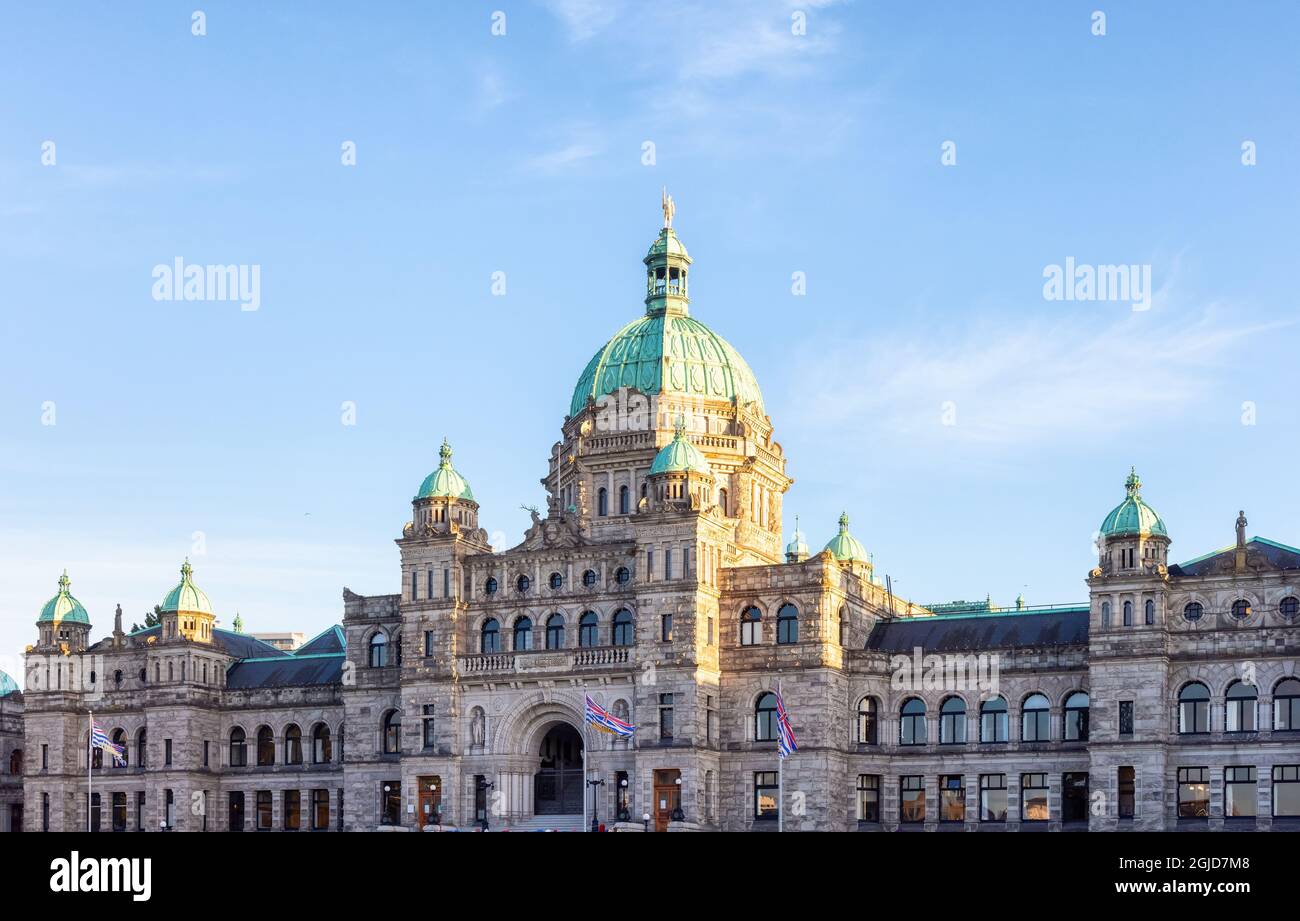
<point x="151" y="619"/>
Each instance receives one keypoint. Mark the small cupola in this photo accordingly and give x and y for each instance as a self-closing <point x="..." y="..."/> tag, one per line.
<point x="63" y="620"/>
<point x="667" y="264"/>
<point x="797" y="550"/>
<point x="186" y="613"/>
<point x="444" y="502"/>
<point x="1132" y="537"/>
<point x="680" y="476"/>
<point x="846" y="548"/>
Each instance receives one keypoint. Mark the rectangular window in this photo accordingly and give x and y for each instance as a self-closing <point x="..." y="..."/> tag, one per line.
<point x="415" y="585"/>
<point x="292" y="809"/>
<point x="665" y="716"/>
<point x="868" y="798"/>
<point x="1193" y="793"/>
<point x="428" y="584"/>
<point x="446" y="583"/>
<point x="263" y="810"/>
<point x="45" y="757"/>
<point x="952" y="798"/>
<point x="169" y="808"/>
<point x="45" y="812"/>
<point x="320" y="810"/>
<point x="668" y="564"/>
<point x="993" y="797"/>
<point x="428" y="643"/>
<point x="911" y="799"/>
<point x="666" y="628"/>
<point x="119" y="812"/>
<point x="710" y="631"/>
<point x="1126" y="717"/>
<point x="710" y="721"/>
<point x="139" y="811"/>
<point x="1286" y="790"/>
<point x="339" y="811"/>
<point x="167" y="751"/>
<point x="1240" y="792"/>
<point x="766" y="795"/>
<point x="430" y="734"/>
<point x="649" y="565"/>
<point x="236" y="811"/>
<point x="1127" y="792"/>
<point x="205" y="752"/>
<point x="1033" y="798"/>
<point x="1074" y="797"/>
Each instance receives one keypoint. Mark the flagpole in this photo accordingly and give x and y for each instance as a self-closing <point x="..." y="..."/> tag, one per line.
<point x="90" y="777"/>
<point x="780" y="777"/>
<point x="586" y="743"/>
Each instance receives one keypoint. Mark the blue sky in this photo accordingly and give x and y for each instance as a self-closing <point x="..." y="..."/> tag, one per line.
<point x="522" y="154"/>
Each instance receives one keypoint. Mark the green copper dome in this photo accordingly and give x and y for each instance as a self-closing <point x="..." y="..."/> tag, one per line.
<point x="666" y="350"/>
<point x="1133" y="516"/>
<point x="7" y="685"/>
<point x="844" y="546"/>
<point x="679" y="455"/>
<point x="445" y="482"/>
<point x="63" y="608"/>
<point x="186" y="596"/>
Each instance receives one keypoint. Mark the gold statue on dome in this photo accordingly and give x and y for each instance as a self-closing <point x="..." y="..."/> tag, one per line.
<point x="670" y="208"/>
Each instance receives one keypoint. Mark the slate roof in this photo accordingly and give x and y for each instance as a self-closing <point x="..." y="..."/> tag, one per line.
<point x="284" y="671"/>
<point x="329" y="640"/>
<point x="1003" y="630"/>
<point x="1277" y="555"/>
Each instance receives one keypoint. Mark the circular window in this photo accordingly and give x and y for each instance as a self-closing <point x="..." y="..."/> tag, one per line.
<point x="1241" y="609"/>
<point x="589" y="578"/>
<point x="490" y="586"/>
<point x="1193" y="611"/>
<point x="522" y="584"/>
<point x="623" y="576"/>
<point x="557" y="580"/>
<point x="1289" y="607"/>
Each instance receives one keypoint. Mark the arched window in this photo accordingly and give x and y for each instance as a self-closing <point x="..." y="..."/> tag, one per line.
<point x="1149" y="612"/>
<point x="392" y="732"/>
<point x="16" y="761"/>
<point x="602" y="502"/>
<point x="587" y="629"/>
<point x="1105" y="613"/>
<point x="556" y="581"/>
<point x="555" y="631"/>
<point x="1076" y="716"/>
<point x="378" y="650"/>
<point x="1241" y="609"/>
<point x="1034" y="717"/>
<point x="912" y="722"/>
<point x="751" y="626"/>
<point x="238" y="748"/>
<point x="1193" y="612"/>
<point x="141" y="746"/>
<point x="523" y="634"/>
<point x="522" y="584"/>
<point x="722" y="501"/>
<point x="119" y="738"/>
<point x="589" y="578"/>
<point x="265" y="747"/>
<point x="787" y="624"/>
<point x="1242" y="708"/>
<point x="1128" y="613"/>
<point x="320" y="744"/>
<point x="1194" y="709"/>
<point x="1286" y="705"/>
<point x="622" y="632"/>
<point x="765" y="718"/>
<point x="952" y="721"/>
<point x="868" y="721"/>
<point x="293" y="744"/>
<point x="623" y="576"/>
<point x="994" y="725"/>
<point x="491" y="636"/>
<point x="490" y="586"/>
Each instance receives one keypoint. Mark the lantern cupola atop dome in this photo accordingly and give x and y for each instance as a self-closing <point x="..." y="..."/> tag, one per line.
<point x="63" y="621"/>
<point x="445" y="503"/>
<point x="1132" y="537"/>
<point x="667" y="264"/>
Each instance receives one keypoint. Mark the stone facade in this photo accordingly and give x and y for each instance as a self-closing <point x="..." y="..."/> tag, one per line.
<point x="654" y="583"/>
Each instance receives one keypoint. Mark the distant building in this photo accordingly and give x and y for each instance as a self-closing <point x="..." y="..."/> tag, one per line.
<point x="285" y="641"/>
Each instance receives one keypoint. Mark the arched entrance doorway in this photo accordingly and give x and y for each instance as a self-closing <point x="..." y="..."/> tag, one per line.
<point x="558" y="784"/>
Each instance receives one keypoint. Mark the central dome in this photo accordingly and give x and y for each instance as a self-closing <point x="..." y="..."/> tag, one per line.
<point x="667" y="353"/>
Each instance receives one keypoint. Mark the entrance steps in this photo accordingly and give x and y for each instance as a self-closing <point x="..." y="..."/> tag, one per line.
<point x="546" y="823"/>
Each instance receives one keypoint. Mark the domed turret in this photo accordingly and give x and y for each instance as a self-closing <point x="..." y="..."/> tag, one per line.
<point x="185" y="612"/>
<point x="679" y="455"/>
<point x="63" y="620"/>
<point x="444" y="500"/>
<point x="797" y="550"/>
<point x="7" y="685"/>
<point x="1132" y="536"/>
<point x="844" y="546"/>
<point x="680" y="476"/>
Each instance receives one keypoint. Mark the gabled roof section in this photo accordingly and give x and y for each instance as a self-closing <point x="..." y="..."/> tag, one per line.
<point x="1277" y="555"/>
<point x="286" y="671"/>
<point x="1064" y="626"/>
<point x="329" y="640"/>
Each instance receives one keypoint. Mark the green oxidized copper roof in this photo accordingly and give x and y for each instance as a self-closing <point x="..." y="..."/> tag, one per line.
<point x="680" y="455"/>
<point x="63" y="607"/>
<point x="844" y="546"/>
<point x="1133" y="516"/>
<point x="667" y="244"/>
<point x="445" y="482"/>
<point x="7" y="685"/>
<point x="798" y="546"/>
<point x="186" y="596"/>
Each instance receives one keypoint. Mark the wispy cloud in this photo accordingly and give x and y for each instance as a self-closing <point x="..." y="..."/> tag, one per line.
<point x="583" y="19"/>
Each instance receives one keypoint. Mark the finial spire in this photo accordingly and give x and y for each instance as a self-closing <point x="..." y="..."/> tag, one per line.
<point x="186" y="569"/>
<point x="670" y="208"/>
<point x="679" y="427"/>
<point x="64" y="581"/>
<point x="844" y="522"/>
<point x="1133" y="485"/>
<point x="444" y="454"/>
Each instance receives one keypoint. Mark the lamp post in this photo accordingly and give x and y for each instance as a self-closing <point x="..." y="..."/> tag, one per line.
<point x="485" y="786"/>
<point x="623" y="814"/>
<point x="678" y="815"/>
<point x="645" y="821"/>
<point x="595" y="804"/>
<point x="436" y="810"/>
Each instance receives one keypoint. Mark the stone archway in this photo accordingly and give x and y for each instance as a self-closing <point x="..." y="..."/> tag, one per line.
<point x="558" y="786"/>
<point x="540" y="721"/>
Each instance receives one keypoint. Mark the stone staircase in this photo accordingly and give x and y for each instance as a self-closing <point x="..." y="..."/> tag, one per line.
<point x="544" y="823"/>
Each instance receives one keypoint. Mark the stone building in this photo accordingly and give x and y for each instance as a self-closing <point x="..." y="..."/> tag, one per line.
<point x="656" y="582"/>
<point x="11" y="755"/>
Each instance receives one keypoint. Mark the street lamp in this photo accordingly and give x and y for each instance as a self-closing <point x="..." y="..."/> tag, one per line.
<point x="435" y="809"/>
<point x="595" y="804"/>
<point x="645" y="820"/>
<point x="678" y="815"/>
<point x="623" y="814"/>
<point x="485" y="786"/>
